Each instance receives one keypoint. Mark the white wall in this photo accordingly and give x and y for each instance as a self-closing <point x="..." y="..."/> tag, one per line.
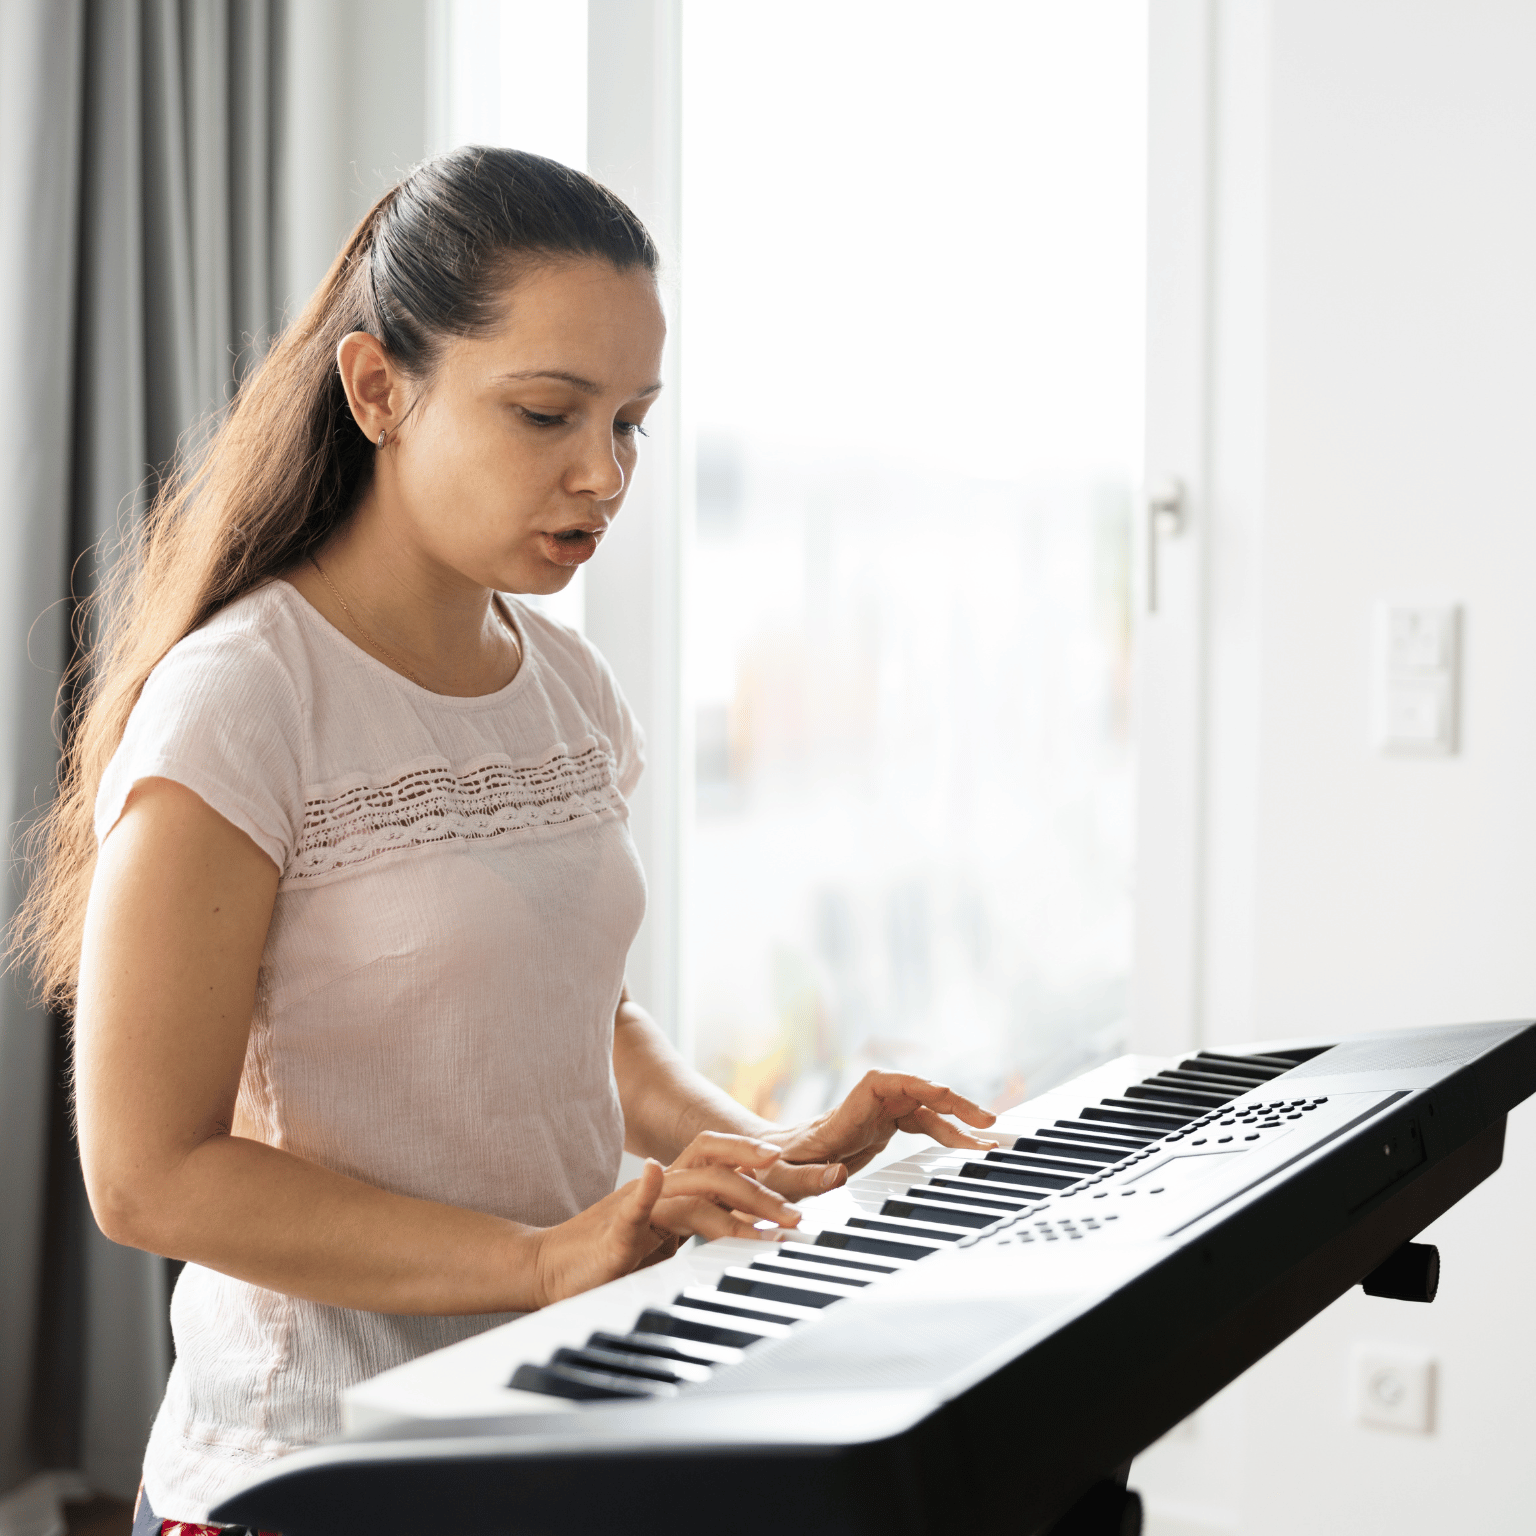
<point x="1373" y="325"/>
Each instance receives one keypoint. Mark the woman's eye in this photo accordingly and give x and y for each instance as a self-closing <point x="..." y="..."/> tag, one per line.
<point x="539" y="419"/>
<point x="630" y="429"/>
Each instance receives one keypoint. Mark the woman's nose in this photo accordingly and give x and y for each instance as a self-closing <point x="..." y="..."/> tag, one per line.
<point x="597" y="472"/>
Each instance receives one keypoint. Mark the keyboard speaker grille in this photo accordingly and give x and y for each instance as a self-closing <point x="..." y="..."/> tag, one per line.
<point x="1426" y="1048"/>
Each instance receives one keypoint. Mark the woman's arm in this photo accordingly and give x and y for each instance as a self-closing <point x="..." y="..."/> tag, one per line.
<point x="666" y="1103"/>
<point x="178" y="916"/>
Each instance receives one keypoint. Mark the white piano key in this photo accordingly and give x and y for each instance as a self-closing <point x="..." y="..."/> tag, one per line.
<point x="470" y="1379"/>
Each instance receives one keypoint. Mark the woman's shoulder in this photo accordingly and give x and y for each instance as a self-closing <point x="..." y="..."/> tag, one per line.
<point x="257" y="640"/>
<point x="264" y="618"/>
<point x="565" y="650"/>
<point x="583" y="669"/>
<point x="223" y="714"/>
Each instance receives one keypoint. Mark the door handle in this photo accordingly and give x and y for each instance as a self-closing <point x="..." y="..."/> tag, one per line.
<point x="1167" y="517"/>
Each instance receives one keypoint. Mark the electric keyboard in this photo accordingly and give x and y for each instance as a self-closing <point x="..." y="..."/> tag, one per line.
<point x="952" y="1338"/>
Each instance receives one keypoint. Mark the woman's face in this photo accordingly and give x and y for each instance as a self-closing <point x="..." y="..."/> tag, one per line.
<point x="518" y="456"/>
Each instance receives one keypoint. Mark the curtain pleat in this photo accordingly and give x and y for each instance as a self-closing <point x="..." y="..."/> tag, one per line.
<point x="40" y="93"/>
<point x="136" y="276"/>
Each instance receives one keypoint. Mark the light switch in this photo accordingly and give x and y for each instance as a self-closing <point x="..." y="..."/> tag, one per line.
<point x="1417" y="676"/>
<point x="1394" y="1388"/>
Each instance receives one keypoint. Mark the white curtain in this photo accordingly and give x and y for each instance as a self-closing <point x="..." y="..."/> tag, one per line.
<point x="137" y="146"/>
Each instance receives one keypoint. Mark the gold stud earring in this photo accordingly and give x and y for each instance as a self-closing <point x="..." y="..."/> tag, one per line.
<point x="382" y="436"/>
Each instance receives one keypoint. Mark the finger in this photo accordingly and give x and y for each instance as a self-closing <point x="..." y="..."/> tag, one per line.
<point x="643" y="1193"/>
<point x="734" y="1191"/>
<point x="934" y="1096"/>
<point x="703" y="1218"/>
<point x="800" y="1181"/>
<point x="710" y="1147"/>
<point x="928" y="1122"/>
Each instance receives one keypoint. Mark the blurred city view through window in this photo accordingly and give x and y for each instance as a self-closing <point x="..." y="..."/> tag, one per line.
<point x="911" y="280"/>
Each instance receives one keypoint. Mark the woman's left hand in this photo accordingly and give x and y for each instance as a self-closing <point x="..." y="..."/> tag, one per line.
<point x="819" y="1154"/>
<point x="715" y="1188"/>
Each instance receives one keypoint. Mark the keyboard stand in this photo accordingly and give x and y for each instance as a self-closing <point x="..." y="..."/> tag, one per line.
<point x="1108" y="1508"/>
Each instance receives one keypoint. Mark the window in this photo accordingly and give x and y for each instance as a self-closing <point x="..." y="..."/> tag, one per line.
<point x="912" y="269"/>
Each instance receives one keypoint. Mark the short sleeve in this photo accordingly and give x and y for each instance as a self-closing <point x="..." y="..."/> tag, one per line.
<point x="619" y="721"/>
<point x="221" y="715"/>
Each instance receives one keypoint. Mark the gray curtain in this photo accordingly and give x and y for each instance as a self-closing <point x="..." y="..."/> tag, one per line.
<point x="137" y="146"/>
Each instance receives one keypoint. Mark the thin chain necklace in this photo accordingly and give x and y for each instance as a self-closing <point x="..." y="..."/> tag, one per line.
<point x="383" y="649"/>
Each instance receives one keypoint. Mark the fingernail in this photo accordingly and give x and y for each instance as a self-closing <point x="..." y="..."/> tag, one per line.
<point x="829" y="1178"/>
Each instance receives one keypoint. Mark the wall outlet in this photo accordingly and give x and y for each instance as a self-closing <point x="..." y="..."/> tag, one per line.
<point x="1417" y="678"/>
<point x="1394" y="1388"/>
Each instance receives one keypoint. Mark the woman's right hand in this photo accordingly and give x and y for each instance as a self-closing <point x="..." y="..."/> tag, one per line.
<point x="707" y="1191"/>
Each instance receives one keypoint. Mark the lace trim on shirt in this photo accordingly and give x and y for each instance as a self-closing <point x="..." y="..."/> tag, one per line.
<point x="437" y="805"/>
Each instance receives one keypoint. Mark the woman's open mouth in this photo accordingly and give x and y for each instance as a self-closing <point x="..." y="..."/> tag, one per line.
<point x="572" y="546"/>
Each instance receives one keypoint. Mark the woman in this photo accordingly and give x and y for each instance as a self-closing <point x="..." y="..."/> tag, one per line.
<point x="339" y="885"/>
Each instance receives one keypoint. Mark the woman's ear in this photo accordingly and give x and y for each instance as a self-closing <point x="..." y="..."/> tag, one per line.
<point x="374" y="388"/>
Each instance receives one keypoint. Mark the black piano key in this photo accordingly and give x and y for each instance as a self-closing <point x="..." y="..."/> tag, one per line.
<point x="1105" y="1135"/>
<point x="1275" y="1065"/>
<point x="684" y="1323"/>
<point x="924" y="1229"/>
<point x="646" y="1367"/>
<point x="1260" y="1068"/>
<point x="1001" y="1202"/>
<point x="583" y="1385"/>
<point x="702" y="1299"/>
<point x="809" y="1253"/>
<point x="1207" y="1082"/>
<point x="980" y="1186"/>
<point x="1053" y="1178"/>
<point x="1157" y="1125"/>
<point x="1099" y="1155"/>
<point x="1051" y="1163"/>
<point x="1207" y="1086"/>
<point x="694" y="1352"/>
<point x="874" y="1242"/>
<point x="1191" y="1099"/>
<point x="1001" y="1173"/>
<point x="952" y="1215"/>
<point x="798" y="1293"/>
<point x="841" y="1275"/>
<point x="1170" y="1115"/>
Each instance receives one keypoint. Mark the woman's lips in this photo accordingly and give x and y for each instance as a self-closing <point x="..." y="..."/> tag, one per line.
<point x="573" y="547"/>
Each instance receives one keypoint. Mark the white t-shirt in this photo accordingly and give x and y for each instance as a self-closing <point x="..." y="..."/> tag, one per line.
<point x="435" y="1004"/>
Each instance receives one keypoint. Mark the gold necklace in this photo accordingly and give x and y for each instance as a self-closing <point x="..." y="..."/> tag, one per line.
<point x="384" y="650"/>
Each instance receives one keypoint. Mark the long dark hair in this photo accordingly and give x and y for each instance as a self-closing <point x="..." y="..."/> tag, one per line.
<point x="431" y="260"/>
